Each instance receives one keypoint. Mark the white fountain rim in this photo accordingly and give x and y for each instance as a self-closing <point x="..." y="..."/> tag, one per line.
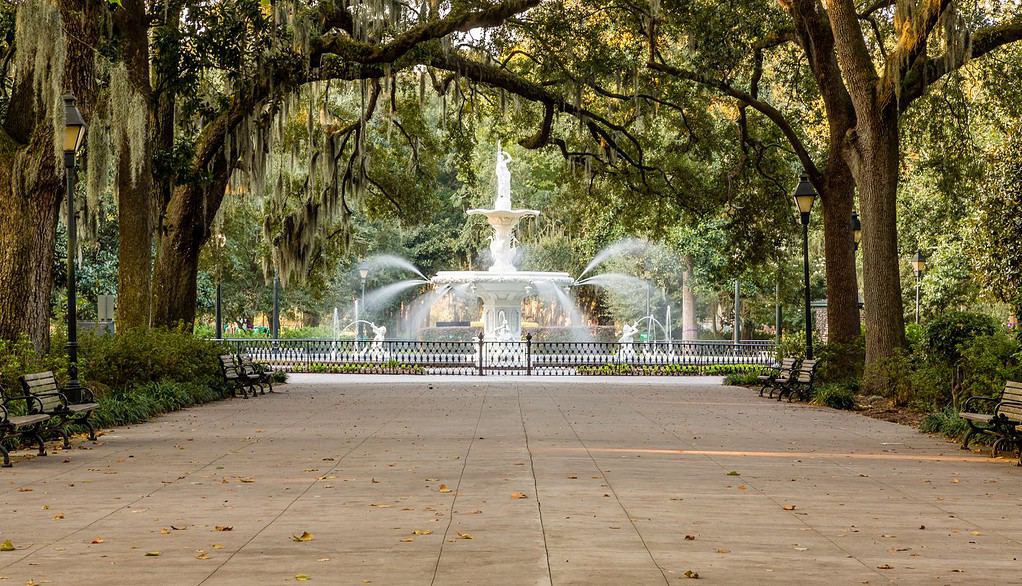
<point x="445" y="277"/>
<point x="503" y="213"/>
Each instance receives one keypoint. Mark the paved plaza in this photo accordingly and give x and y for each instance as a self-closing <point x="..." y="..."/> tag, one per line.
<point x="413" y="480"/>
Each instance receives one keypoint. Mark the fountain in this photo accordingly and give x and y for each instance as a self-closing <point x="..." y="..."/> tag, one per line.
<point x="502" y="287"/>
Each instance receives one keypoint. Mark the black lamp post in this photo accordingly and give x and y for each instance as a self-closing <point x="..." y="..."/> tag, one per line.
<point x="804" y="196"/>
<point x="275" y="323"/>
<point x="74" y="134"/>
<point x="918" y="267"/>
<point x="856" y="230"/>
<point x="363" y="272"/>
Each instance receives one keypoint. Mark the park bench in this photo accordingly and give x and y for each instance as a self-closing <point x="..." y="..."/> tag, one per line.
<point x="1003" y="422"/>
<point x="62" y="409"/>
<point x="801" y="383"/>
<point x="25" y="425"/>
<point x="235" y="376"/>
<point x="255" y="372"/>
<point x="778" y="376"/>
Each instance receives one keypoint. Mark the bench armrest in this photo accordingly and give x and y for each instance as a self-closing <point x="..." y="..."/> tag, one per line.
<point x="978" y="399"/>
<point x="28" y="399"/>
<point x="88" y="396"/>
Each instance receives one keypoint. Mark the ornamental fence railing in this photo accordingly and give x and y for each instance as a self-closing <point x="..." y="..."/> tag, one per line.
<point x="506" y="358"/>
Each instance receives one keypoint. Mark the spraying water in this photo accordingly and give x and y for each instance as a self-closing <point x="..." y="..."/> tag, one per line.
<point x="382" y="297"/>
<point x="392" y="261"/>
<point x="627" y="246"/>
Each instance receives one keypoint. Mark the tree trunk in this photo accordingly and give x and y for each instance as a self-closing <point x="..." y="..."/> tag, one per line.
<point x="185" y="229"/>
<point x="134" y="197"/>
<point x="875" y="152"/>
<point x="689" y="328"/>
<point x="32" y="185"/>
<point x="842" y="288"/>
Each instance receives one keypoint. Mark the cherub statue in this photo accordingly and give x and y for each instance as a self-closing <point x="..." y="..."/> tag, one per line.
<point x="379" y="335"/>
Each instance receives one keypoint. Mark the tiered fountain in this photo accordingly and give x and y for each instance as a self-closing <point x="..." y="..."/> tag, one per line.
<point x="502" y="287"/>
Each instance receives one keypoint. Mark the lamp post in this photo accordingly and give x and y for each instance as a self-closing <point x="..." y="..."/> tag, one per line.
<point x="804" y="196"/>
<point x="221" y="241"/>
<point x="74" y="134"/>
<point x="918" y="267"/>
<point x="363" y="272"/>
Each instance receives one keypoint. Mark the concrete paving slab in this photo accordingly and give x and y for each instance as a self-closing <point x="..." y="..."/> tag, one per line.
<point x="471" y="480"/>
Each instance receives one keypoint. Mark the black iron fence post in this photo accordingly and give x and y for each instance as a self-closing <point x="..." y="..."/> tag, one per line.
<point x="528" y="354"/>
<point x="481" y="342"/>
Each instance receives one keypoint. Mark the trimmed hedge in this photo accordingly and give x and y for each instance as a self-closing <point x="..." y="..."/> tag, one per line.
<point x="620" y="369"/>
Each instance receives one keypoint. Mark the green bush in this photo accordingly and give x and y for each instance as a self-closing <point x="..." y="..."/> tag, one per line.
<point x="622" y="369"/>
<point x="988" y="361"/>
<point x="842" y="363"/>
<point x="279" y="376"/>
<point x="946" y="421"/>
<point x="742" y="379"/>
<point x="136" y="357"/>
<point x="945" y="335"/>
<point x="834" y="396"/>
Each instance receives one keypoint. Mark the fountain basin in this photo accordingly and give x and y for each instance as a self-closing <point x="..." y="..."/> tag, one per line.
<point x="502" y="295"/>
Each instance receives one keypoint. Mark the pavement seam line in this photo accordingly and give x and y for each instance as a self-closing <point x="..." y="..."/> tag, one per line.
<point x="606" y="480"/>
<point x="304" y="492"/>
<point x="535" y="486"/>
<point x="162" y="485"/>
<point x="767" y="496"/>
<point x="457" y="488"/>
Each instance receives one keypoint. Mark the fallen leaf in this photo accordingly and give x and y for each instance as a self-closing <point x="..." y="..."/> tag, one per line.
<point x="374" y="481"/>
<point x="201" y="555"/>
<point x="175" y="528"/>
<point x="444" y="489"/>
<point x="24" y="489"/>
<point x="301" y="578"/>
<point x="801" y="549"/>
<point x="97" y="540"/>
<point x="789" y="507"/>
<point x="465" y="535"/>
<point x="164" y="531"/>
<point x="422" y="532"/>
<point x="305" y="536"/>
<point x="733" y="473"/>
<point x="7" y="545"/>
<point x="975" y="533"/>
<point x="152" y="554"/>
<point x="885" y="567"/>
<point x="743" y="487"/>
<point x="224" y="528"/>
<point x="691" y="574"/>
<point x="690" y="538"/>
<point x="519" y="495"/>
<point x="58" y="516"/>
<point x="380" y="506"/>
<point x="247" y="480"/>
<point x="407" y="540"/>
<point x="722" y="550"/>
<point x="218" y="546"/>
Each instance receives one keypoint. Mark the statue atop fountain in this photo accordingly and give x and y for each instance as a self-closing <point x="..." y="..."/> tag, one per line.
<point x="503" y="218"/>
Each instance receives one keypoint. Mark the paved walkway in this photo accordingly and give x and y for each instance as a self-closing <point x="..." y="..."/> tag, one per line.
<point x="514" y="481"/>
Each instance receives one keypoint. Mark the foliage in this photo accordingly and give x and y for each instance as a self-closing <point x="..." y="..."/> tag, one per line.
<point x="621" y="369"/>
<point x="18" y="358"/>
<point x="147" y="400"/>
<point x="133" y="358"/>
<point x="841" y="363"/>
<point x="987" y="362"/>
<point x="389" y="367"/>
<point x="946" y="421"/>
<point x="835" y="396"/>
<point x="279" y="376"/>
<point x="945" y="334"/>
<point x="743" y="379"/>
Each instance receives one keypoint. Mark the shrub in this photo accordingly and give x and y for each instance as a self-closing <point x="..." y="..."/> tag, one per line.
<point x="742" y="379"/>
<point x="835" y="396"/>
<point x="988" y="361"/>
<point x="946" y="421"/>
<point x="842" y="363"/>
<point x="945" y="335"/>
<point x="279" y="376"/>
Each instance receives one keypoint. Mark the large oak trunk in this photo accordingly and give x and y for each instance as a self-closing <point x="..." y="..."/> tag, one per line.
<point x="842" y="287"/>
<point x="184" y="231"/>
<point x="876" y="173"/>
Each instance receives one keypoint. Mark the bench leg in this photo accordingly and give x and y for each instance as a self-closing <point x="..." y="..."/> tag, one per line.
<point x="7" y="456"/>
<point x="968" y="435"/>
<point x="88" y="425"/>
<point x="67" y="436"/>
<point x="269" y="381"/>
<point x="38" y="437"/>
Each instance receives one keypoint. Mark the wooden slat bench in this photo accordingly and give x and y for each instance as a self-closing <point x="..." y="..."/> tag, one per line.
<point x="1003" y="421"/>
<point x="256" y="373"/>
<point x="64" y="411"/>
<point x="778" y="376"/>
<point x="25" y="425"/>
<point x="802" y="382"/>
<point x="235" y="376"/>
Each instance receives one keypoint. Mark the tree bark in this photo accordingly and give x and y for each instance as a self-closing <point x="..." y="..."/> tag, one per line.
<point x="32" y="184"/>
<point x="184" y="230"/>
<point x="875" y="149"/>
<point x="135" y="196"/>
<point x="838" y="196"/>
